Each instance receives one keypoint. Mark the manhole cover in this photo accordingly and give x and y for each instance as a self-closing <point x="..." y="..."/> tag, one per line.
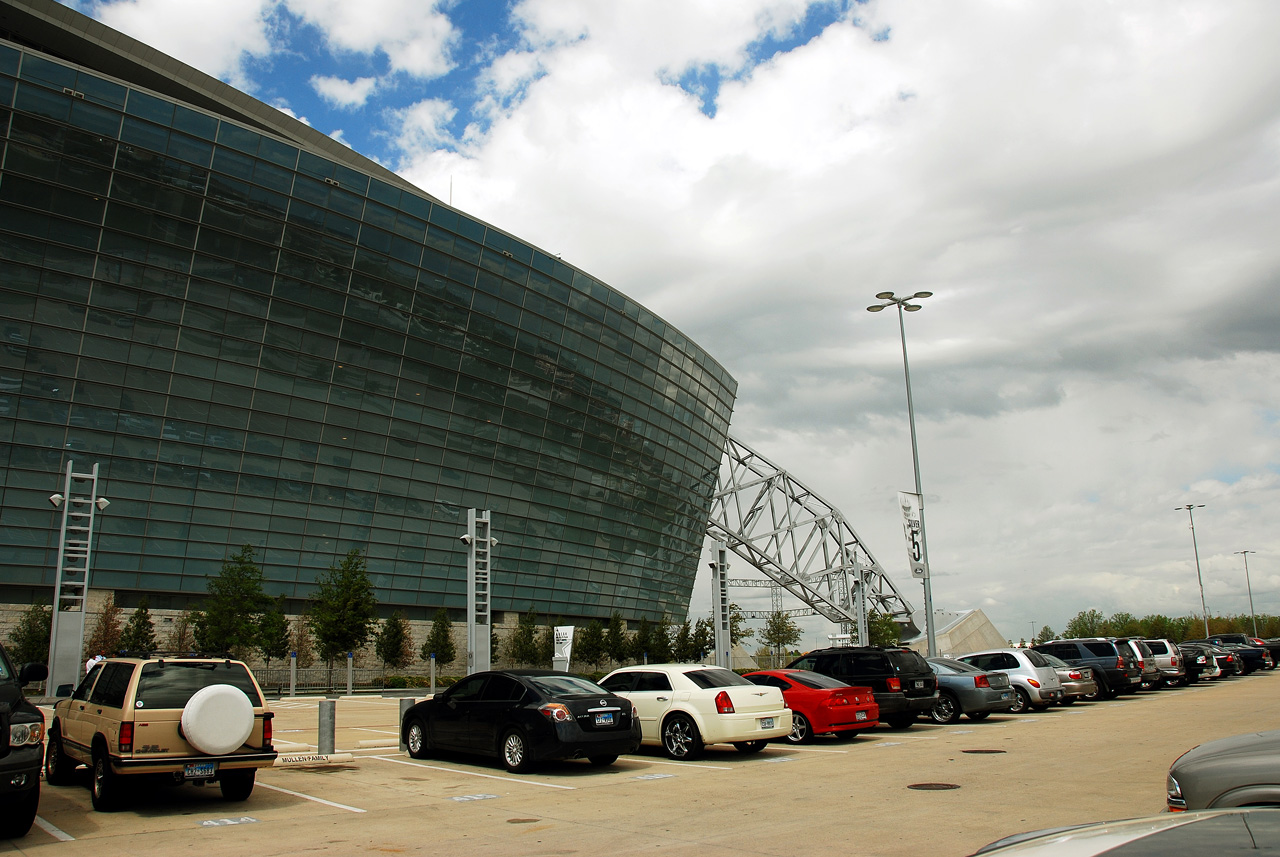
<point x="983" y="752"/>
<point x="933" y="787"/>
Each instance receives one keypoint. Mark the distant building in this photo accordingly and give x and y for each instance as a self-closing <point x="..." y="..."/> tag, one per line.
<point x="265" y="338"/>
<point x="958" y="633"/>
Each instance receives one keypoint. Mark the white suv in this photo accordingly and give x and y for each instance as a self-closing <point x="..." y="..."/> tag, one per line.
<point x="1033" y="678"/>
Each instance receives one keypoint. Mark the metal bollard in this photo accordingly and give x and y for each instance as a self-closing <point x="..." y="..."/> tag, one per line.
<point x="293" y="673"/>
<point x="350" y="661"/>
<point x="405" y="704"/>
<point x="328" y="719"/>
<point x="433" y="673"/>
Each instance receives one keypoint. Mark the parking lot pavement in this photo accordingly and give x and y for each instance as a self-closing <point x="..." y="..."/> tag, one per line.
<point x="1067" y="765"/>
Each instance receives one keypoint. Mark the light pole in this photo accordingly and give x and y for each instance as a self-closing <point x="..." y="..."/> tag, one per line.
<point x="1199" y="579"/>
<point x="904" y="304"/>
<point x="1249" y="586"/>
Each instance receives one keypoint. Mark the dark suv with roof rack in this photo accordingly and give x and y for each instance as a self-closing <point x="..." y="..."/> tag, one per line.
<point x="21" y="733"/>
<point x="1115" y="666"/>
<point x="904" y="685"/>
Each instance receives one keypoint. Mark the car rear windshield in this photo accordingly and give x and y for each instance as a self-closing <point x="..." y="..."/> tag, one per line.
<point x="1102" y="650"/>
<point x="908" y="662"/>
<point x="565" y="685"/>
<point x="1037" y="659"/>
<point x="716" y="678"/>
<point x="955" y="666"/>
<point x="817" y="681"/>
<point x="169" y="684"/>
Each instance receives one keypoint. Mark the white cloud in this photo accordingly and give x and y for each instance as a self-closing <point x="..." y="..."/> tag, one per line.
<point x="215" y="36"/>
<point x="415" y="36"/>
<point x="345" y="94"/>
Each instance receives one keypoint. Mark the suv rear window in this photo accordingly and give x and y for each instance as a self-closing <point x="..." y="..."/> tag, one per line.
<point x="908" y="662"/>
<point x="1102" y="650"/>
<point x="170" y="684"/>
<point x="1157" y="647"/>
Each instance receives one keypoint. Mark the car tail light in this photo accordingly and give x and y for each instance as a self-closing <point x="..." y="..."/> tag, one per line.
<point x="1033" y="682"/>
<point x="1075" y="675"/>
<point x="724" y="705"/>
<point x="1141" y="664"/>
<point x="895" y="684"/>
<point x="1119" y="663"/>
<point x="1230" y="658"/>
<point x="266" y="728"/>
<point x="126" y="737"/>
<point x="839" y="699"/>
<point x="1173" y="661"/>
<point x="556" y="711"/>
<point x="981" y="681"/>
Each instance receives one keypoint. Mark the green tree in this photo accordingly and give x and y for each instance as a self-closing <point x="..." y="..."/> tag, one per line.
<point x="273" y="632"/>
<point x="1046" y="634"/>
<point x="394" y="643"/>
<point x="344" y="609"/>
<point x="522" y="645"/>
<point x="181" y="637"/>
<point x="229" y="620"/>
<point x="300" y="641"/>
<point x="588" y="646"/>
<point x="105" y="637"/>
<point x="738" y="630"/>
<point x="440" y="640"/>
<point x="703" y="639"/>
<point x="642" y="642"/>
<point x="139" y="633"/>
<point x="1086" y="623"/>
<point x="660" y="642"/>
<point x="547" y="645"/>
<point x="882" y="630"/>
<point x="682" y="645"/>
<point x="1123" y="625"/>
<point x="29" y="639"/>
<point x="780" y="632"/>
<point x="616" y="644"/>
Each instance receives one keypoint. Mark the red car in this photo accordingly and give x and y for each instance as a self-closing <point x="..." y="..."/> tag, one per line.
<point x="820" y="704"/>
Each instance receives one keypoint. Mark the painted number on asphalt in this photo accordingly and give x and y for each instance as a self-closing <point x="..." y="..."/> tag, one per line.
<point x="472" y="797"/>
<point x="223" y="822"/>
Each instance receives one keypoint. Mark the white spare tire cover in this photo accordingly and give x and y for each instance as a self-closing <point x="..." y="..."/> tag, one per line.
<point x="217" y="719"/>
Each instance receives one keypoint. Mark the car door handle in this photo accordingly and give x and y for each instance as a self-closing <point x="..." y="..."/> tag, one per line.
<point x="663" y="698"/>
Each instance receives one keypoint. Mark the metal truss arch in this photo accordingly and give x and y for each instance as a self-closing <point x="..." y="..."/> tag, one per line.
<point x="800" y="542"/>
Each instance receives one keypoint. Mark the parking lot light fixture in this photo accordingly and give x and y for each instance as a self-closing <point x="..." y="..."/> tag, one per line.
<point x="1204" y="610"/>
<point x="1249" y="586"/>
<point x="904" y="305"/>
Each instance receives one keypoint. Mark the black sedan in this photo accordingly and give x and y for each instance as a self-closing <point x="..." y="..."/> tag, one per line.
<point x="523" y="717"/>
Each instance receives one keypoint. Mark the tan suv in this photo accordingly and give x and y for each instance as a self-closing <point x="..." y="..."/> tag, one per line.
<point x="195" y="719"/>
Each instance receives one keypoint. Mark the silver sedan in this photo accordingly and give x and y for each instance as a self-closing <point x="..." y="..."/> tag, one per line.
<point x="965" y="689"/>
<point x="1077" y="682"/>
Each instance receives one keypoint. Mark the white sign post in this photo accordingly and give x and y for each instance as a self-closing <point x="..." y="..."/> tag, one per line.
<point x="563" y="654"/>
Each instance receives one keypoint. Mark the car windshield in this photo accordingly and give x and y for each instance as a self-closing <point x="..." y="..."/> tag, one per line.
<point x="718" y="677"/>
<point x="170" y="684"/>
<point x="818" y="681"/>
<point x="565" y="685"/>
<point x="1053" y="660"/>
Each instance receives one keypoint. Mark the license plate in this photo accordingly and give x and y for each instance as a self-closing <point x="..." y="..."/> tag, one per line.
<point x="917" y="684"/>
<point x="605" y="719"/>
<point x="766" y="722"/>
<point x="860" y="715"/>
<point x="202" y="771"/>
<point x="1007" y="695"/>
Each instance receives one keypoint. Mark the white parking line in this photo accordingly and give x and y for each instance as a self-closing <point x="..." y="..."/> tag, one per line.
<point x="53" y="831"/>
<point x="816" y="750"/>
<point x="312" y="798"/>
<point x="475" y="774"/>
<point x="678" y="764"/>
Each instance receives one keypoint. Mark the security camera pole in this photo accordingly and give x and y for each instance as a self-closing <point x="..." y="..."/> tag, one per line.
<point x="71" y="584"/>
<point x="478" y="542"/>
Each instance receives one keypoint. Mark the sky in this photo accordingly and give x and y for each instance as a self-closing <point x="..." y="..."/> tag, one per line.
<point x="1091" y="190"/>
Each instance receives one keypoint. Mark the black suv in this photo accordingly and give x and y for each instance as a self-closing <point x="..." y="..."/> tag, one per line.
<point x="21" y="750"/>
<point x="1228" y="640"/>
<point x="1115" y="666"/>
<point x="904" y="685"/>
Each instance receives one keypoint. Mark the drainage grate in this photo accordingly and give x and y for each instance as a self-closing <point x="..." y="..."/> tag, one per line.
<point x="983" y="752"/>
<point x="933" y="787"/>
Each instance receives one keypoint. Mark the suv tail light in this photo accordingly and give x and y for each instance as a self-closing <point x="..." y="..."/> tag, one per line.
<point x="895" y="684"/>
<point x="1173" y="661"/>
<point x="724" y="705"/>
<point x="126" y="737"/>
<point x="1119" y="662"/>
<point x="981" y="681"/>
<point x="266" y="728"/>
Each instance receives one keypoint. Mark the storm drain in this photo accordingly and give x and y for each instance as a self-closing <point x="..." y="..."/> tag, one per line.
<point x="983" y="752"/>
<point x="933" y="787"/>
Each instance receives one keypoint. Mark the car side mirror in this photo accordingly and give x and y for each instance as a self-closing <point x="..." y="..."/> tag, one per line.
<point x="32" y="672"/>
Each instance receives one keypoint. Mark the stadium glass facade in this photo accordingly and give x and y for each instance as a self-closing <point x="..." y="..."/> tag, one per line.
<point x="261" y="343"/>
